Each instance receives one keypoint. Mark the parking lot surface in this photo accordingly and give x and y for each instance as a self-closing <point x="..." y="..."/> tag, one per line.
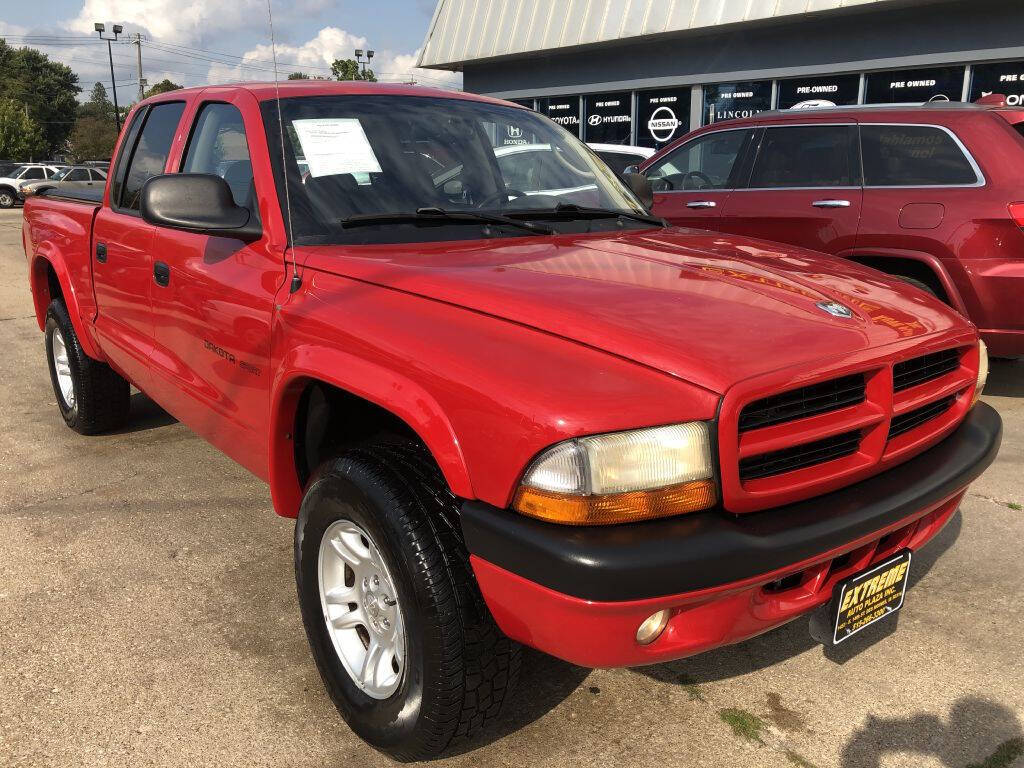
<point x="148" y="618"/>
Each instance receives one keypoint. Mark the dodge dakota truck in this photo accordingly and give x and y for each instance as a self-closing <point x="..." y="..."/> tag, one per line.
<point x="504" y="404"/>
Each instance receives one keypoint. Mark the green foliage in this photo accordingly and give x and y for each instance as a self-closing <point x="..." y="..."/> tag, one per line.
<point x="20" y="136"/>
<point x="164" y="86"/>
<point x="47" y="88"/>
<point x="1005" y="754"/>
<point x="92" y="138"/>
<point x="298" y="76"/>
<point x="349" y="69"/>
<point x="98" y="105"/>
<point x="744" y="724"/>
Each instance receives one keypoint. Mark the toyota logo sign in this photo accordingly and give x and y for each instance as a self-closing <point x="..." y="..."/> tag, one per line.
<point x="663" y="124"/>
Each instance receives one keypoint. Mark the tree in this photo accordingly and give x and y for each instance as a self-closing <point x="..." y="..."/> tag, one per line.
<point x="298" y="76"/>
<point x="98" y="105"/>
<point x="164" y="86"/>
<point x="48" y="89"/>
<point x="20" y="136"/>
<point x="93" y="138"/>
<point x="349" y="69"/>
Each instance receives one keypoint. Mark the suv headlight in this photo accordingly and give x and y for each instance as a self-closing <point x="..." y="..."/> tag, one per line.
<point x="621" y="477"/>
<point x="982" y="371"/>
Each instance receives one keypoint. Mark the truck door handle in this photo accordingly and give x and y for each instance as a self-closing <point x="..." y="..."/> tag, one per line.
<point x="101" y="253"/>
<point x="701" y="204"/>
<point x="831" y="203"/>
<point x="161" y="273"/>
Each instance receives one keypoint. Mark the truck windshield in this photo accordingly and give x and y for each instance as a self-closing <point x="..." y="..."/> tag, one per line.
<point x="353" y="159"/>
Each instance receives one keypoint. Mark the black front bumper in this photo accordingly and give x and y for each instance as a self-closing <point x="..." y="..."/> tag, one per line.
<point x="707" y="549"/>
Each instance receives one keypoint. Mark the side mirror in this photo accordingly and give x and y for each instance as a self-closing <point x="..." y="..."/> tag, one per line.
<point x="197" y="202"/>
<point x="640" y="186"/>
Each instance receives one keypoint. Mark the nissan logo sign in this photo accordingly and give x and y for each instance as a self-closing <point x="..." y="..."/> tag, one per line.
<point x="663" y="124"/>
<point x="594" y="119"/>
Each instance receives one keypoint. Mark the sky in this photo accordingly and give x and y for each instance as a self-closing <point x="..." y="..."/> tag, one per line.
<point x="195" y="42"/>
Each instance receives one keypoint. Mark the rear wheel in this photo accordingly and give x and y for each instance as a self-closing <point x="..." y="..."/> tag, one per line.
<point x="404" y="643"/>
<point x="91" y="396"/>
<point x="7" y="197"/>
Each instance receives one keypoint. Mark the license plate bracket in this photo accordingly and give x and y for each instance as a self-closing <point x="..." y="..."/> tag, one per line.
<point x="869" y="596"/>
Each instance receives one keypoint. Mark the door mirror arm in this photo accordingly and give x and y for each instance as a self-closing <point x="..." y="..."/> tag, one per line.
<point x="197" y="202"/>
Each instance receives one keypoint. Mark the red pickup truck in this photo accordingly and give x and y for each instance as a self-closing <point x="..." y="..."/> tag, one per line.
<point x="503" y="416"/>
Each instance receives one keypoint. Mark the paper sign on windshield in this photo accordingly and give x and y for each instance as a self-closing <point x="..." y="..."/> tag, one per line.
<point x="335" y="145"/>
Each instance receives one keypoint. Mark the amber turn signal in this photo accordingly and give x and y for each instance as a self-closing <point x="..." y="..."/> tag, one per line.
<point x="608" y="509"/>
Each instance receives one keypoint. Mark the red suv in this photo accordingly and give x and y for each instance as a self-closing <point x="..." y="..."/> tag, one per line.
<point x="931" y="194"/>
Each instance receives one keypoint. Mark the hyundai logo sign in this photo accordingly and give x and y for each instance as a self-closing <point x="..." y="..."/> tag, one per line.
<point x="594" y="119"/>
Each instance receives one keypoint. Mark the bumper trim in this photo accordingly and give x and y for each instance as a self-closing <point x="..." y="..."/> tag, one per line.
<point x="706" y="549"/>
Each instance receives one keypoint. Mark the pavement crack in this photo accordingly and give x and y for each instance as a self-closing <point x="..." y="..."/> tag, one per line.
<point x="1015" y="506"/>
<point x="78" y="493"/>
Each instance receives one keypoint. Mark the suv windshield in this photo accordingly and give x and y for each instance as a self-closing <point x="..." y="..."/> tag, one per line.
<point x="7" y="170"/>
<point x="351" y="159"/>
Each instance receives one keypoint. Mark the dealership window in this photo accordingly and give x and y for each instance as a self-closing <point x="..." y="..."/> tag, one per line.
<point x="840" y="90"/>
<point x="913" y="155"/>
<point x="528" y="103"/>
<point x="564" y="110"/>
<point x="609" y="118"/>
<point x="913" y="85"/>
<point x="539" y="168"/>
<point x="707" y="162"/>
<point x="662" y="116"/>
<point x="726" y="101"/>
<point x="806" y="156"/>
<point x="1006" y="77"/>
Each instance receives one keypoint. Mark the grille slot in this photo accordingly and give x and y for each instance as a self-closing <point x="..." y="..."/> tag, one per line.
<point x="803" y="402"/>
<point x="918" y="370"/>
<point x="915" y="418"/>
<point x="800" y="456"/>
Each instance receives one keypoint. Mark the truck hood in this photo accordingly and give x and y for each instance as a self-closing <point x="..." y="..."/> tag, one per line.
<point x="711" y="309"/>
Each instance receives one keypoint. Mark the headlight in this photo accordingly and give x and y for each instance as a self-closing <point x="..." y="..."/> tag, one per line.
<point x="982" y="371"/>
<point x="621" y="477"/>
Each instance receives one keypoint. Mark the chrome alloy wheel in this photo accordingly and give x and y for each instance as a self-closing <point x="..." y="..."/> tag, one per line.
<point x="62" y="368"/>
<point x="360" y="606"/>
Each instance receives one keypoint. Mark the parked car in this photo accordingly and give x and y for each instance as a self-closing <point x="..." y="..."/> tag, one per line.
<point x="500" y="417"/>
<point x="19" y="175"/>
<point x="930" y="194"/>
<point x="619" y="157"/>
<point x="69" y="177"/>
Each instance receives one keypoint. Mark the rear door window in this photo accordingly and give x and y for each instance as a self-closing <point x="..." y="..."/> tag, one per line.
<point x="35" y="172"/>
<point x="707" y="162"/>
<point x="806" y="156"/>
<point x="77" y="174"/>
<point x="150" y="153"/>
<point x="913" y="156"/>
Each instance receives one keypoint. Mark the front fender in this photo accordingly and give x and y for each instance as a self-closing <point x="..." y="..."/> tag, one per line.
<point x="386" y="388"/>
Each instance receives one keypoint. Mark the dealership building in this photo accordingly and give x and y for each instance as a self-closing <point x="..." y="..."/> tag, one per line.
<point x="646" y="71"/>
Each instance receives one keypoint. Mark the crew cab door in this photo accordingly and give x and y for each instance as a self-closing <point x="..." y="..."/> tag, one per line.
<point x="804" y="188"/>
<point x="213" y="300"/>
<point x="692" y="183"/>
<point x="121" y="261"/>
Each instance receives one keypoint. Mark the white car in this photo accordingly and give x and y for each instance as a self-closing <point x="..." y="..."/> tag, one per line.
<point x="13" y="176"/>
<point x="619" y="157"/>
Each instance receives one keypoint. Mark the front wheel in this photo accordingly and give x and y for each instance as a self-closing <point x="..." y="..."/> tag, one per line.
<point x="404" y="643"/>
<point x="7" y="198"/>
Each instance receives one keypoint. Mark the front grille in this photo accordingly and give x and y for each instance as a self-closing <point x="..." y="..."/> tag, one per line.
<point x="799" y="456"/>
<point x="910" y="373"/>
<point x="915" y="418"/>
<point x="803" y="402"/>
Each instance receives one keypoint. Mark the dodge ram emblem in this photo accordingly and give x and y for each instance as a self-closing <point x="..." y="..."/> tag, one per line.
<point x="835" y="309"/>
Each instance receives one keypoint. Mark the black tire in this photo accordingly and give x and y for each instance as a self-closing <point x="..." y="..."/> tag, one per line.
<point x="101" y="396"/>
<point x="460" y="668"/>
<point x="919" y="284"/>
<point x="8" y="197"/>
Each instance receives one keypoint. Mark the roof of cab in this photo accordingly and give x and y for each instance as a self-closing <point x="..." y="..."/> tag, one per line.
<point x="266" y="91"/>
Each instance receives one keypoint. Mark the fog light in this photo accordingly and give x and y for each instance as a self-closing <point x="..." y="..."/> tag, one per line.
<point x="652" y="627"/>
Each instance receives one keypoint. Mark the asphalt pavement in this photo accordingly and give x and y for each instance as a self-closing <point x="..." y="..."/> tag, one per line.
<point x="148" y="618"/>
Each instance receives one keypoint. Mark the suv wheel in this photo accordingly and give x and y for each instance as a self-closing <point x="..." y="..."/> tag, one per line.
<point x="90" y="395"/>
<point x="7" y="198"/>
<point x="406" y="647"/>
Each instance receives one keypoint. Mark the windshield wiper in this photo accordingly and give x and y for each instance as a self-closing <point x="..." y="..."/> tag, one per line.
<point x="436" y="215"/>
<point x="572" y="210"/>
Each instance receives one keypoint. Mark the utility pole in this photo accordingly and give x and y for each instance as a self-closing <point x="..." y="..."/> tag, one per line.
<point x="137" y="42"/>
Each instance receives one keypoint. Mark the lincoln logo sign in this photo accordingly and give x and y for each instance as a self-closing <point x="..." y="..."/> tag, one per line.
<point x="663" y="124"/>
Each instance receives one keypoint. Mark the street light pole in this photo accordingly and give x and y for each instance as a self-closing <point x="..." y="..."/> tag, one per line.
<point x="100" y="28"/>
